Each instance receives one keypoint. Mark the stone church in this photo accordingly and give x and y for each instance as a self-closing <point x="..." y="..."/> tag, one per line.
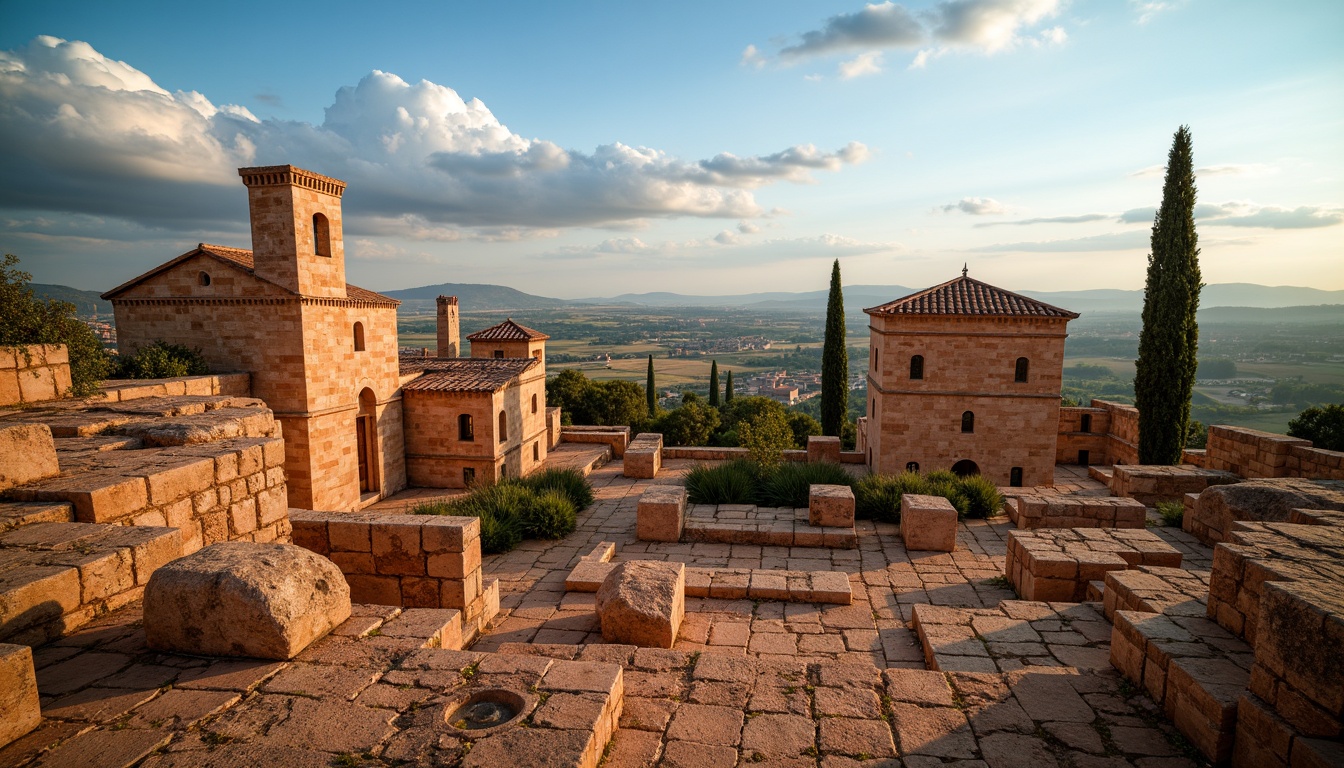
<point x="358" y="421"/>
<point x="965" y="376"/>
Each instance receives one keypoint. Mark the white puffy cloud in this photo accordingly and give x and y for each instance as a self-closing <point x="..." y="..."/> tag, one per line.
<point x="976" y="206"/>
<point x="869" y="63"/>
<point x="752" y="57"/>
<point x="984" y="26"/>
<point x="92" y="135"/>
<point x="726" y="249"/>
<point x="1148" y="9"/>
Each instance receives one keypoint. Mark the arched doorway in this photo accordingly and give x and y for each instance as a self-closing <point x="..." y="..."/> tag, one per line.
<point x="965" y="468"/>
<point x="366" y="437"/>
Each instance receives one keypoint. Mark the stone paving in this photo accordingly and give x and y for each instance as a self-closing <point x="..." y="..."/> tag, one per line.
<point x="747" y="682"/>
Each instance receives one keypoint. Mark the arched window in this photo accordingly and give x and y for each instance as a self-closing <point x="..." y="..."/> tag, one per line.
<point x="503" y="426"/>
<point x="912" y="466"/>
<point x="534" y="403"/>
<point x="967" y="422"/>
<point x="536" y="452"/>
<point x="204" y="278"/>
<point x="321" y="235"/>
<point x="1020" y="374"/>
<point x="359" y="337"/>
<point x="465" y="429"/>
<point x="1015" y="477"/>
<point x="917" y="367"/>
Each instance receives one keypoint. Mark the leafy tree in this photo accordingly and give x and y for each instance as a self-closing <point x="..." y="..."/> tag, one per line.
<point x="1323" y="426"/>
<point x="728" y="389"/>
<point x="803" y="426"/>
<point x="691" y="424"/>
<point x="569" y="391"/>
<point x="766" y="437"/>
<point x="714" y="383"/>
<point x="1165" y="371"/>
<point x="1198" y="436"/>
<point x="617" y="403"/>
<point x="650" y="391"/>
<point x="746" y="408"/>
<point x="25" y="319"/>
<point x="834" y="360"/>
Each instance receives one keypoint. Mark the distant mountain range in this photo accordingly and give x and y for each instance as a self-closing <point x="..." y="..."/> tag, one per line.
<point x="485" y="298"/>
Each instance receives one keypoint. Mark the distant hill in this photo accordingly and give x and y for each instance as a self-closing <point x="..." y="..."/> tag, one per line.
<point x="86" y="302"/>
<point x="1325" y="314"/>
<point x="474" y="297"/>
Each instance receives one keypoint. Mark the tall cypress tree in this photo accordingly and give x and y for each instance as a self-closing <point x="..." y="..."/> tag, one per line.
<point x="1164" y="376"/>
<point x="650" y="393"/>
<point x="714" y="383"/>
<point x="728" y="389"/>
<point x="834" y="361"/>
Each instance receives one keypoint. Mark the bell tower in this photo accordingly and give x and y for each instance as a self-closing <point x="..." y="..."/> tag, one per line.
<point x="296" y="229"/>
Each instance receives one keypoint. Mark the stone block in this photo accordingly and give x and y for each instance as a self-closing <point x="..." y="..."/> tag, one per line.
<point x="267" y="601"/>
<point x="928" y="523"/>
<point x="20" y="710"/>
<point x="823" y="448"/>
<point x="642" y="603"/>
<point x="661" y="513"/>
<point x="644" y="456"/>
<point x="27" y="454"/>
<point x="830" y="506"/>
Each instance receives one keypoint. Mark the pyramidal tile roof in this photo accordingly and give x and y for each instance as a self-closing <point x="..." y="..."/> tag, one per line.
<point x="242" y="258"/>
<point x="465" y="374"/>
<point x="508" y="331"/>
<point x="968" y="296"/>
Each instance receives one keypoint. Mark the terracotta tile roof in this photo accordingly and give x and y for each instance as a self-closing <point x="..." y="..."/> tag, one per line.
<point x="242" y="258"/>
<point x="508" y="331"/>
<point x="465" y="374"/>
<point x="967" y="296"/>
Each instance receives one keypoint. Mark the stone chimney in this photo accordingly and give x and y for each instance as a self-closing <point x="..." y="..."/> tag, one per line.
<point x="450" y="331"/>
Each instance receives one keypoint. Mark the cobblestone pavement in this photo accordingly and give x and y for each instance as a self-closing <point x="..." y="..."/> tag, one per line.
<point x="748" y="683"/>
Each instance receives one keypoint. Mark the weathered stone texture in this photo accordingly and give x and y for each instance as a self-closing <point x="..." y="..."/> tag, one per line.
<point x="1218" y="509"/>
<point x="27" y="454"/>
<point x="1152" y="483"/>
<point x="642" y="603"/>
<point x="928" y="523"/>
<point x="1056" y="564"/>
<point x="267" y="601"/>
<point x="1031" y="510"/>
<point x="33" y="373"/>
<point x="20" y="711"/>
<point x="830" y="506"/>
<point x="661" y="513"/>
<point x="644" y="455"/>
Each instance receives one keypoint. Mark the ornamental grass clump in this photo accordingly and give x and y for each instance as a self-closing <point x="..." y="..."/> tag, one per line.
<point x="788" y="484"/>
<point x="982" y="497"/>
<point x="542" y="506"/>
<point x="550" y="515"/>
<point x="733" y="482"/>
<point x="571" y="482"/>
<point x="878" y="497"/>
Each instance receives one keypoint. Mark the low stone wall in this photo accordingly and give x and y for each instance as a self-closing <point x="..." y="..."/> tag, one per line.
<point x="1122" y="431"/>
<point x="616" y="437"/>
<point x="1151" y="483"/>
<point x="1038" y="511"/>
<point x="1315" y="463"/>
<point x="33" y="373"/>
<point x="1214" y="513"/>
<point x="1251" y="453"/>
<point x="221" y="384"/>
<point x="414" y="561"/>
<point x="1073" y="438"/>
<point x="553" y="428"/>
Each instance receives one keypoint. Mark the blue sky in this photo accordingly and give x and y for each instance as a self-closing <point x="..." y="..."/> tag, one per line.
<point x="587" y="149"/>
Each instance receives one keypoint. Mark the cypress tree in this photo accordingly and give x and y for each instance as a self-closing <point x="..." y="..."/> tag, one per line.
<point x="728" y="389"/>
<point x="1164" y="376"/>
<point x="650" y="393"/>
<point x="834" y="361"/>
<point x="714" y="383"/>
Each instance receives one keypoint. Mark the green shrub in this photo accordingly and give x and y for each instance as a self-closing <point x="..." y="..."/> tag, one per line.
<point x="161" y="360"/>
<point x="766" y="437"/>
<point x="571" y="482"/>
<point x="1172" y="512"/>
<point x="499" y="533"/>
<point x="787" y="484"/>
<point x="25" y="319"/>
<point x="550" y="515"/>
<point x="732" y="482"/>
<point x="982" y="497"/>
<point x="878" y="497"/>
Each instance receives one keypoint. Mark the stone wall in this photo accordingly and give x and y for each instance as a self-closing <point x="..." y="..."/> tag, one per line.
<point x="414" y="561"/>
<point x="1073" y="438"/>
<point x="1255" y="454"/>
<point x="1122" y="431"/>
<point x="969" y="365"/>
<point x="33" y="373"/>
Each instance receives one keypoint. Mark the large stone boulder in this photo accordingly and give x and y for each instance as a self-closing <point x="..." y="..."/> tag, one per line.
<point x="642" y="603"/>
<point x="268" y="601"/>
<point x="1260" y="501"/>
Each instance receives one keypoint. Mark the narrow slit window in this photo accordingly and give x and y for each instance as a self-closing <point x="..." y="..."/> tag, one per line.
<point x="1020" y="372"/>
<point x="503" y="426"/>
<point x="465" y="429"/>
<point x="321" y="235"/>
<point x="917" y="367"/>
